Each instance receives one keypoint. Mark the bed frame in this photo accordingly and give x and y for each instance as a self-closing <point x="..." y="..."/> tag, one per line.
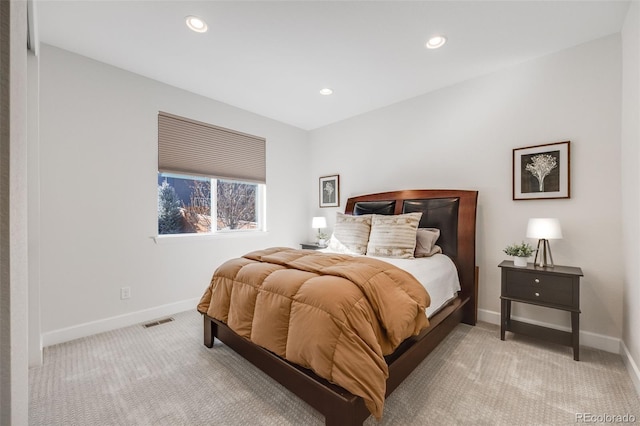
<point x="454" y="213"/>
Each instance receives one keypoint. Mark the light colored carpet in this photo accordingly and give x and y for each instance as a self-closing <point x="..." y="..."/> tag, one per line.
<point x="164" y="376"/>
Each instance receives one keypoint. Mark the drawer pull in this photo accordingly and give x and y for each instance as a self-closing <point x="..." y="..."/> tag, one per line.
<point x="537" y="281"/>
<point x="537" y="294"/>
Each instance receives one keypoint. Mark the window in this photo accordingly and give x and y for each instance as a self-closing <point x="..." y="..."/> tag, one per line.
<point x="187" y="205"/>
<point x="210" y="179"/>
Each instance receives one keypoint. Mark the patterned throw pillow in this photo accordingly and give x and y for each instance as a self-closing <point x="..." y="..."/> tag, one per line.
<point x="393" y="236"/>
<point x="350" y="234"/>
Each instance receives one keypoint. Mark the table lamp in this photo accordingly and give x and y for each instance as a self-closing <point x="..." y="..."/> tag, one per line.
<point x="544" y="229"/>
<point x="319" y="222"/>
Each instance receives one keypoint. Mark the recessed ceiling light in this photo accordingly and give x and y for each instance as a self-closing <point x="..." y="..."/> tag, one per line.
<point x="326" y="91"/>
<point x="436" y="41"/>
<point x="196" y="24"/>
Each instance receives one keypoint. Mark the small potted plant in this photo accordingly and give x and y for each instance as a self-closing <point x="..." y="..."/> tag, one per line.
<point x="520" y="253"/>
<point x="322" y="239"/>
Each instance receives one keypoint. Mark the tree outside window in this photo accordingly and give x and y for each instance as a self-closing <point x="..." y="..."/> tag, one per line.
<point x="185" y="205"/>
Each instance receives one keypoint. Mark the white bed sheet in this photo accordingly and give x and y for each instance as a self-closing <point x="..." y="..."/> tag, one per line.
<point x="438" y="274"/>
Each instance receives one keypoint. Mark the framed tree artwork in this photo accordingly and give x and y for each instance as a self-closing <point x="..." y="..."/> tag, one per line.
<point x="541" y="171"/>
<point x="330" y="191"/>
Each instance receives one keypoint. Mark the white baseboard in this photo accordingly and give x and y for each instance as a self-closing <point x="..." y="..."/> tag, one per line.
<point x="100" y="326"/>
<point x="632" y="367"/>
<point x="592" y="340"/>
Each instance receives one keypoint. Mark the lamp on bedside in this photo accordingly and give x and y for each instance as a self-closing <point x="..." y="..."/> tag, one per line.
<point x="319" y="222"/>
<point x="544" y="229"/>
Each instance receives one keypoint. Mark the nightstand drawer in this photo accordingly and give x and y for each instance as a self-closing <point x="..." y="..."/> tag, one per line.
<point x="539" y="288"/>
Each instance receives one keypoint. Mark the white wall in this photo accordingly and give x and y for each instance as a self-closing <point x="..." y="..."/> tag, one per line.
<point x="462" y="137"/>
<point x="631" y="186"/>
<point x="98" y="171"/>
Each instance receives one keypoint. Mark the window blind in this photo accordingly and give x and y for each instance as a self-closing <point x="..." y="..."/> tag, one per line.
<point x="190" y="147"/>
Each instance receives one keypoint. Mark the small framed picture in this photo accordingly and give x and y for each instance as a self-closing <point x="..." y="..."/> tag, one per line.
<point x="330" y="191"/>
<point x="541" y="171"/>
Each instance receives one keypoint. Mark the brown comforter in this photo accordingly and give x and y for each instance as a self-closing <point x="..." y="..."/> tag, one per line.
<point x="335" y="314"/>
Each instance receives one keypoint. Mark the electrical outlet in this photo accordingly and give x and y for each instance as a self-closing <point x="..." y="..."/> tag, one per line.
<point x="125" y="293"/>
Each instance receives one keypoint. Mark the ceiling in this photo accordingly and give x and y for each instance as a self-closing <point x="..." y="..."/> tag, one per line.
<point x="273" y="57"/>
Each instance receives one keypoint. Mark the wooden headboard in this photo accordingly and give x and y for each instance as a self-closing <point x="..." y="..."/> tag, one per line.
<point x="451" y="211"/>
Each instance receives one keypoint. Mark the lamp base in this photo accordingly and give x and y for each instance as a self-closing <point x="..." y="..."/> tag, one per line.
<point x="544" y="253"/>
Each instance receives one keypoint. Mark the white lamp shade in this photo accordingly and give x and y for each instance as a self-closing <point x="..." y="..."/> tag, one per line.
<point x="319" y="222"/>
<point x="544" y="228"/>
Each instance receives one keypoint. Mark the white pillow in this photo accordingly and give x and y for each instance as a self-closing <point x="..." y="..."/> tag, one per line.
<point x="350" y="234"/>
<point x="393" y="236"/>
<point x="426" y="239"/>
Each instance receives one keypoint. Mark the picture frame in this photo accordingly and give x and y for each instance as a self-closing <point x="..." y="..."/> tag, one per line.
<point x="330" y="191"/>
<point x="542" y="171"/>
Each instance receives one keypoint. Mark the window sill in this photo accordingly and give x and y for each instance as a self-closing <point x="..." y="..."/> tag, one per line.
<point x="189" y="238"/>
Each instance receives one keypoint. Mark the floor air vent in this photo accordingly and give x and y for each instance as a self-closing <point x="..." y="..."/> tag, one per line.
<point x="158" y="322"/>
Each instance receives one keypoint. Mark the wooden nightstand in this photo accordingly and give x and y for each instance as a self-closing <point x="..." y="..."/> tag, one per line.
<point x="556" y="288"/>
<point x="311" y="246"/>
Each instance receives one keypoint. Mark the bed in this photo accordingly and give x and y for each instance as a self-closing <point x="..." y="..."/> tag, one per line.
<point x="453" y="212"/>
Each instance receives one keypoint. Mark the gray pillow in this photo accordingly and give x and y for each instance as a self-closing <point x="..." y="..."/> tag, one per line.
<point x="426" y="239"/>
